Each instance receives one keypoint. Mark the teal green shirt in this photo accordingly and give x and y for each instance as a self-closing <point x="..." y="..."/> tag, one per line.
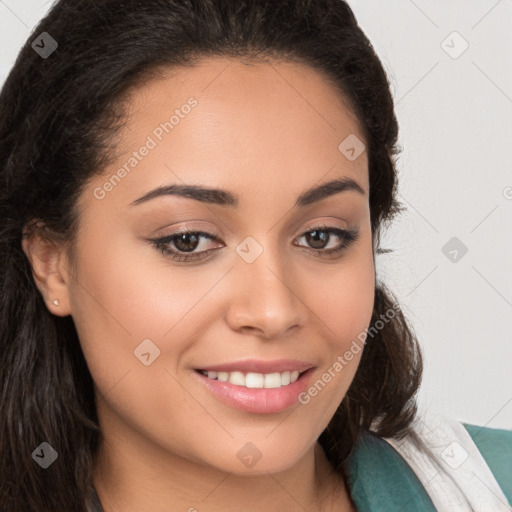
<point x="380" y="480"/>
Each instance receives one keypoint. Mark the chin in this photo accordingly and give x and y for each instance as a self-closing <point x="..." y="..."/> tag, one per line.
<point x="258" y="457"/>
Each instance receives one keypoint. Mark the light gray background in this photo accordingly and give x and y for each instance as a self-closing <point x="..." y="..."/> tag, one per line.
<point x="455" y="116"/>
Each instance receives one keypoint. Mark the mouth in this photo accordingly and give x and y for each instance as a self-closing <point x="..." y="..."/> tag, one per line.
<point x="255" y="380"/>
<point x="260" y="393"/>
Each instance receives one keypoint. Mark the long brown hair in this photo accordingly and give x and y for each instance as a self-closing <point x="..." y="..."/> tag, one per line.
<point x="59" y="115"/>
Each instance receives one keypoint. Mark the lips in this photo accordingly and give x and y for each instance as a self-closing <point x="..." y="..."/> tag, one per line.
<point x="257" y="385"/>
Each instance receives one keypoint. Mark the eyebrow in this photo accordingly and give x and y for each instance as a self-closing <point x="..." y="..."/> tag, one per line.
<point x="224" y="198"/>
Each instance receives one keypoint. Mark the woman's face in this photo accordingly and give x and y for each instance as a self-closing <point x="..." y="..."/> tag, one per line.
<point x="260" y="285"/>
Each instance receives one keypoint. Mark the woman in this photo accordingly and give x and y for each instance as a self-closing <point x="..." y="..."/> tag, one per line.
<point x="192" y="199"/>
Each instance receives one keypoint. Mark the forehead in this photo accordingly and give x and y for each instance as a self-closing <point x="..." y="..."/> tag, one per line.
<point x="263" y="123"/>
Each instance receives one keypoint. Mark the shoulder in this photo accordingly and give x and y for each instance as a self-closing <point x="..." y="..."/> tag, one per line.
<point x="380" y="479"/>
<point x="442" y="464"/>
<point x="495" y="445"/>
<point x="460" y="465"/>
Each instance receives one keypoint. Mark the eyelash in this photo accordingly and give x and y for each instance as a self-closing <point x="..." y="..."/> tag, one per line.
<point x="350" y="236"/>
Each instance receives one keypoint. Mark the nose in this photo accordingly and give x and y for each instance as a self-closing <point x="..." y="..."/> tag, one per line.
<point x="266" y="298"/>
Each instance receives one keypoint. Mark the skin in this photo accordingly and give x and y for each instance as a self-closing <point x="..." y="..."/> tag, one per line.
<point x="266" y="132"/>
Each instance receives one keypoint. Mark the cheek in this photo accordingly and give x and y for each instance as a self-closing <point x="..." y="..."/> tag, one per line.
<point x="342" y="299"/>
<point x="120" y="301"/>
<point x="342" y="304"/>
<point x="115" y="305"/>
<point x="126" y="294"/>
<point x="124" y="291"/>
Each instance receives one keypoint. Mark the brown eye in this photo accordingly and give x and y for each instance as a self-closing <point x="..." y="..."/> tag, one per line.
<point x="317" y="238"/>
<point x="186" y="242"/>
<point x="320" y="236"/>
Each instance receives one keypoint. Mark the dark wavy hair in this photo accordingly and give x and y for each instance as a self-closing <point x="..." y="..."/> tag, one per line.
<point x="59" y="119"/>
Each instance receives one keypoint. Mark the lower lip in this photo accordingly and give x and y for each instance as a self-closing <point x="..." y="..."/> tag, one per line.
<point x="257" y="400"/>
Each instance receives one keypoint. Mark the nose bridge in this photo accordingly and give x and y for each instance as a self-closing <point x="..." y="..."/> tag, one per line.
<point x="265" y="298"/>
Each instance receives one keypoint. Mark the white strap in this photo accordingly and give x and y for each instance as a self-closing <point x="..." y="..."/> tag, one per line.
<point x="450" y="467"/>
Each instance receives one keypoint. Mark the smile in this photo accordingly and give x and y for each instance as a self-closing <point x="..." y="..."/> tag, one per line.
<point x="260" y="393"/>
<point x="254" y="380"/>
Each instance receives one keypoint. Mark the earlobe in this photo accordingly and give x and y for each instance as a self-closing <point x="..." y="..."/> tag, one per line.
<point x="47" y="258"/>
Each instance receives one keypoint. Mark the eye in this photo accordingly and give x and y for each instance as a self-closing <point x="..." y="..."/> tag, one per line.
<point x="186" y="242"/>
<point x="319" y="236"/>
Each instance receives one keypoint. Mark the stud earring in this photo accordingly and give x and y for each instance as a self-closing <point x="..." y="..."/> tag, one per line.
<point x="56" y="302"/>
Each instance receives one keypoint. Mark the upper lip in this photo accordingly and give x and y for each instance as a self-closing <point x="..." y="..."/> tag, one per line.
<point x="260" y="366"/>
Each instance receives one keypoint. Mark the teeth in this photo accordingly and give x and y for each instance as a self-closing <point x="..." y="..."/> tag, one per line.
<point x="255" y="380"/>
<point x="236" y="378"/>
<point x="223" y="376"/>
<point x="272" y="380"/>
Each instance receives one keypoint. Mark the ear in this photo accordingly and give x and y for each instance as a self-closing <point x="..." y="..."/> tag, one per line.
<point x="49" y="262"/>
